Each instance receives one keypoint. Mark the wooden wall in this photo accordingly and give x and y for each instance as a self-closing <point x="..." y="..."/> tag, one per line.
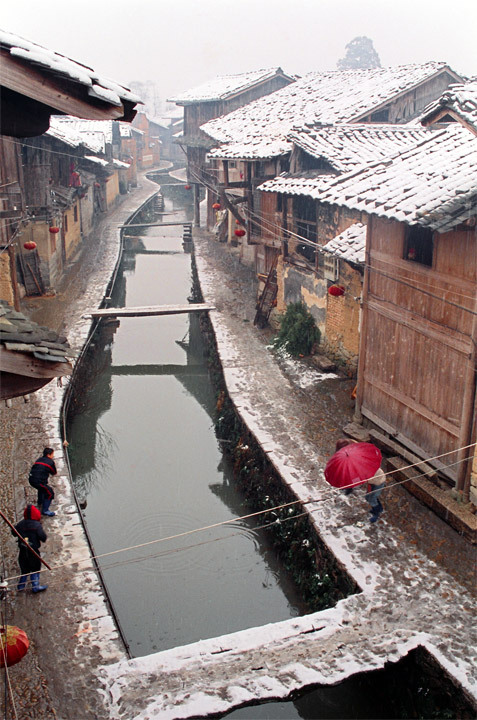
<point x="415" y="351"/>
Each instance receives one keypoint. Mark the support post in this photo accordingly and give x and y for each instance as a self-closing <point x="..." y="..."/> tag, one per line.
<point x="196" y="205"/>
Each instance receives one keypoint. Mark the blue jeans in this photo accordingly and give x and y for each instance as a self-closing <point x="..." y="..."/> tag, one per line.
<point x="372" y="497"/>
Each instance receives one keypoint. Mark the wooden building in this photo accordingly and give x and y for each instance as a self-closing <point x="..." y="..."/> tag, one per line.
<point x="417" y="360"/>
<point x="213" y="99"/>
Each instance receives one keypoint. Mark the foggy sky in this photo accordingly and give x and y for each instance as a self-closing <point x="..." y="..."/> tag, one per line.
<point x="178" y="44"/>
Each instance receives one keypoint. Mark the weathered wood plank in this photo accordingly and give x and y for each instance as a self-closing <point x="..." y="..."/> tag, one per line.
<point x="162" y="224"/>
<point x="150" y="310"/>
<point x="20" y="363"/>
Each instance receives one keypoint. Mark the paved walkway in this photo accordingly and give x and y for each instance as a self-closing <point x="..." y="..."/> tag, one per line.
<point x="408" y="597"/>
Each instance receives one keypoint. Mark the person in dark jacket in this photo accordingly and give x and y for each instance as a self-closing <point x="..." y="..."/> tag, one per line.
<point x="31" y="530"/>
<point x="39" y="475"/>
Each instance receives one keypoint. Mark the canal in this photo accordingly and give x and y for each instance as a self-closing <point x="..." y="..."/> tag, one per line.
<point x="147" y="465"/>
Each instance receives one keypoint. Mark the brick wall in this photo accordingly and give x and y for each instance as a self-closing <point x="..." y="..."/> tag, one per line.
<point x="341" y="336"/>
<point x="6" y="289"/>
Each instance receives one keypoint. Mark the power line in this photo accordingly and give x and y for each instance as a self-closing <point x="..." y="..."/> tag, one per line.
<point x="263" y="512"/>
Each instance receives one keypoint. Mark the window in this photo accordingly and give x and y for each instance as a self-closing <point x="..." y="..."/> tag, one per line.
<point x="330" y="267"/>
<point x="75" y="213"/>
<point x="418" y="245"/>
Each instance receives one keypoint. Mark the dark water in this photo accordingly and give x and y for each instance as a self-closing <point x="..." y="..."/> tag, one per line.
<point x="146" y="460"/>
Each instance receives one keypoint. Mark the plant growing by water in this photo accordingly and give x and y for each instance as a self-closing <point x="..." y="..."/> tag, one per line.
<point x="298" y="332"/>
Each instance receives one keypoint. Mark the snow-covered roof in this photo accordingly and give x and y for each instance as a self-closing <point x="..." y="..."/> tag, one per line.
<point x="319" y="97"/>
<point x="67" y="132"/>
<point x="309" y="182"/>
<point x="433" y="184"/>
<point x="349" y="245"/>
<point x="96" y="134"/>
<point x="97" y="160"/>
<point x="99" y="87"/>
<point x="459" y="101"/>
<point x="254" y="148"/>
<point x="224" y="87"/>
<point x="346" y="146"/>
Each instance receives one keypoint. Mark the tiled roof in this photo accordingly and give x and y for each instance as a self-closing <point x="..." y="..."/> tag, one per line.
<point x="319" y="97"/>
<point x="310" y="183"/>
<point x="460" y="101"/>
<point x="349" y="245"/>
<point x="96" y="131"/>
<point x="66" y="131"/>
<point x="344" y="147"/>
<point x="99" y="87"/>
<point x="226" y="86"/>
<point x="259" y="147"/>
<point x="433" y="184"/>
<point x="19" y="334"/>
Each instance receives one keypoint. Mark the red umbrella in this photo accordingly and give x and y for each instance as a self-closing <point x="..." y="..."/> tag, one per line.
<point x="352" y="465"/>
<point x="13" y="645"/>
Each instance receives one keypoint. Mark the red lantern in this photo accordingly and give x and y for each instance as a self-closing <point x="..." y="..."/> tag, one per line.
<point x="186" y="187"/>
<point x="336" y="290"/>
<point x="14" y="644"/>
<point x="237" y="222"/>
<point x="53" y="229"/>
<point x="216" y="206"/>
<point x="240" y="232"/>
<point x="30" y="245"/>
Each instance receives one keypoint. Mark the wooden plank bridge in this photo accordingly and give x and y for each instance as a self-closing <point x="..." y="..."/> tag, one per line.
<point x="150" y="310"/>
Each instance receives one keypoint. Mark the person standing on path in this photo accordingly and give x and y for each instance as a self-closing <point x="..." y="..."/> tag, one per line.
<point x="39" y="475"/>
<point x="31" y="530"/>
<point x="375" y="487"/>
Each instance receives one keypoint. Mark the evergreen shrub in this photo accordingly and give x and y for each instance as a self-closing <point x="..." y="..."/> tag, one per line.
<point x="298" y="331"/>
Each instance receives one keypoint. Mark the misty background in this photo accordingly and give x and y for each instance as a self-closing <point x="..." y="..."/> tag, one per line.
<point x="176" y="44"/>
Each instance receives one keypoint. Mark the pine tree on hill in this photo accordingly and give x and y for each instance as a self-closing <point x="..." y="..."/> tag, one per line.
<point x="360" y="55"/>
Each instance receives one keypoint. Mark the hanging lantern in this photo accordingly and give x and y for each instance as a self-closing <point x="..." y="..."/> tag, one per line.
<point x="239" y="232"/>
<point x="216" y="206"/>
<point x="14" y="644"/>
<point x="237" y="222"/>
<point x="30" y="245"/>
<point x="336" y="290"/>
<point x="186" y="187"/>
<point x="53" y="229"/>
<point x="97" y="185"/>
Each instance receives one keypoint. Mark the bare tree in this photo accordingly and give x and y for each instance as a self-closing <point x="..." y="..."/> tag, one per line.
<point x="360" y="55"/>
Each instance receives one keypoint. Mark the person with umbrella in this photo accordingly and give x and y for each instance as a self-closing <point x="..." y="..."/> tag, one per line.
<point x="353" y="464"/>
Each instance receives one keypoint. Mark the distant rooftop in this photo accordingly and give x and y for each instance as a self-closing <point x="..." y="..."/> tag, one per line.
<point x="225" y="87"/>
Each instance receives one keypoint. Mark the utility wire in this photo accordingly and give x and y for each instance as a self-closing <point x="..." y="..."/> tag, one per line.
<point x="268" y="510"/>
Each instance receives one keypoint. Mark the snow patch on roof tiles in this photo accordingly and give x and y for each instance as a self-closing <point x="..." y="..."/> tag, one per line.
<point x="349" y="245"/>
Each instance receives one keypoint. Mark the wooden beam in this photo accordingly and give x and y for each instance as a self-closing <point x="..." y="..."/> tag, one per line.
<point x="164" y="224"/>
<point x="151" y="310"/>
<point x="20" y="363"/>
<point x="23" y="78"/>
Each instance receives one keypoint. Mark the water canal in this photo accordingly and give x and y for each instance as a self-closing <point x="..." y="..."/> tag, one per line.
<point x="147" y="464"/>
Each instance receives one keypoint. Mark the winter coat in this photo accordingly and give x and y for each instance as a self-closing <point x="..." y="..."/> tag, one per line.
<point x="31" y="529"/>
<point x="41" y="471"/>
